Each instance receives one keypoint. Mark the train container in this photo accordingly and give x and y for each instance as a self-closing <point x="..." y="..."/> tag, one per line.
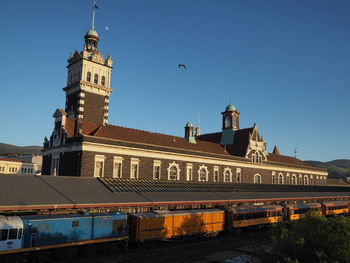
<point x="335" y="208"/>
<point x="11" y="229"/>
<point x="59" y="229"/>
<point x="170" y="224"/>
<point x="253" y="215"/>
<point x="298" y="211"/>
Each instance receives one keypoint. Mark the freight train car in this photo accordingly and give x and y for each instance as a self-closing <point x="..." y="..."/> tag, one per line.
<point x="253" y="215"/>
<point x="170" y="224"/>
<point x="298" y="211"/>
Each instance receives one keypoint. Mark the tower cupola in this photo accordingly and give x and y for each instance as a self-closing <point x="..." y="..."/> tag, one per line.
<point x="189" y="133"/>
<point x="230" y="123"/>
<point x="230" y="118"/>
<point x="91" y="40"/>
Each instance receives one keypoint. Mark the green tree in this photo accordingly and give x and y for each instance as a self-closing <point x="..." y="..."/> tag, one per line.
<point x="314" y="239"/>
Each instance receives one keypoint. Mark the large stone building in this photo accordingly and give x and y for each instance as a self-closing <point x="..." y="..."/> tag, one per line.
<point x="84" y="144"/>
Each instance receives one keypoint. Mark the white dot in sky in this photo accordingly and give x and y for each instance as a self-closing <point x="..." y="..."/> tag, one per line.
<point x="107" y="28"/>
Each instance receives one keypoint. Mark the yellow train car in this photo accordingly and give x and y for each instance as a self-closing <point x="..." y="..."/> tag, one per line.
<point x="335" y="208"/>
<point x="298" y="211"/>
<point x="246" y="216"/>
<point x="169" y="224"/>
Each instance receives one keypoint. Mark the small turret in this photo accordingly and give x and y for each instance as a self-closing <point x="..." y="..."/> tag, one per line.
<point x="189" y="133"/>
<point x="276" y="150"/>
<point x="230" y="123"/>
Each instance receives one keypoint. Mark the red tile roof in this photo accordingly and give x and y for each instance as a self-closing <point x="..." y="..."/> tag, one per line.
<point x="210" y="137"/>
<point x="145" y="137"/>
<point x="207" y="143"/>
<point x="285" y="159"/>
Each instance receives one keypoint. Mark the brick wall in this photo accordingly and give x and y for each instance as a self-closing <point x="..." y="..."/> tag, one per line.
<point x="94" y="107"/>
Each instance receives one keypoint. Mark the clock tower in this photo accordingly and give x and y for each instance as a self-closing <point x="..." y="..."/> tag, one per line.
<point x="88" y="84"/>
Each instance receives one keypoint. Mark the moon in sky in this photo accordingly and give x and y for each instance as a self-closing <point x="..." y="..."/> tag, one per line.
<point x="107" y="28"/>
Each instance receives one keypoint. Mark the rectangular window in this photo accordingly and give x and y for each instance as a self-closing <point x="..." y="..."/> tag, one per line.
<point x="274" y="181"/>
<point x="3" y="234"/>
<point x="216" y="174"/>
<point x="189" y="172"/>
<point x="156" y="170"/>
<point x="54" y="165"/>
<point x="117" y="167"/>
<point x="99" y="166"/>
<point x="13" y="233"/>
<point x="238" y="175"/>
<point x="134" y="168"/>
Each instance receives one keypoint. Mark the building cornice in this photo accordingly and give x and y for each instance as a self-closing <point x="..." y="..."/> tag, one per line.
<point x="123" y="150"/>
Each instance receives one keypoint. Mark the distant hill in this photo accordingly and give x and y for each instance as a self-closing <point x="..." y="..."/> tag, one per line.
<point x="11" y="150"/>
<point x="336" y="169"/>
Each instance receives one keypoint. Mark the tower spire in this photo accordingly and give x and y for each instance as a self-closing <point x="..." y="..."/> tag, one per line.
<point x="94" y="7"/>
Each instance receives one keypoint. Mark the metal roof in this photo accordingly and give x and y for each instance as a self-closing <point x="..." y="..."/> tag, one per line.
<point x="48" y="192"/>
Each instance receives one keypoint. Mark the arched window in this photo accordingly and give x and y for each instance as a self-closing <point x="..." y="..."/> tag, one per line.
<point x="280" y="179"/>
<point x="88" y="76"/>
<point x="300" y="180"/>
<point x="234" y="121"/>
<point x="203" y="173"/>
<point x="256" y="157"/>
<point x="306" y="180"/>
<point x="294" y="179"/>
<point x="173" y="171"/>
<point x="257" y="179"/>
<point x="228" y="121"/>
<point x="227" y="175"/>
<point x="317" y="180"/>
<point x="253" y="158"/>
<point x="274" y="181"/>
<point x="103" y="80"/>
<point x="96" y="79"/>
<point x="260" y="159"/>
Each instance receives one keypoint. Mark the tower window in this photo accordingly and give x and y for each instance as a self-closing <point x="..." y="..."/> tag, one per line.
<point x="228" y="121"/>
<point x="88" y="76"/>
<point x="95" y="78"/>
<point x="103" y="80"/>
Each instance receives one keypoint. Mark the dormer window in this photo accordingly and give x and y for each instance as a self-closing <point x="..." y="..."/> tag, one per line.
<point x="96" y="79"/>
<point x="228" y="121"/>
<point x="88" y="76"/>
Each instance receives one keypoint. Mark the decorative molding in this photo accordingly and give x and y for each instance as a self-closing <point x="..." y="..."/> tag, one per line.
<point x="122" y="150"/>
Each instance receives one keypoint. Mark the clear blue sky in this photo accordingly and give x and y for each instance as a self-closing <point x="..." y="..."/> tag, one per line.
<point x="285" y="65"/>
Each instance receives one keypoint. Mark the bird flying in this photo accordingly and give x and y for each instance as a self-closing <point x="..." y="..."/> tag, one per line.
<point x="182" y="65"/>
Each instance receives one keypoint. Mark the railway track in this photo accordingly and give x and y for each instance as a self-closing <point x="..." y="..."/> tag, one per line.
<point x="178" y="251"/>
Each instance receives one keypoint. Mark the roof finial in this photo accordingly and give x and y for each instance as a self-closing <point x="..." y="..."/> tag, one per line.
<point x="93" y="15"/>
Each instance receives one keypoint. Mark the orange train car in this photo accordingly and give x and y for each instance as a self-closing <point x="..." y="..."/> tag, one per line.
<point x="170" y="224"/>
<point x="298" y="211"/>
<point x="335" y="208"/>
<point x="253" y="215"/>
